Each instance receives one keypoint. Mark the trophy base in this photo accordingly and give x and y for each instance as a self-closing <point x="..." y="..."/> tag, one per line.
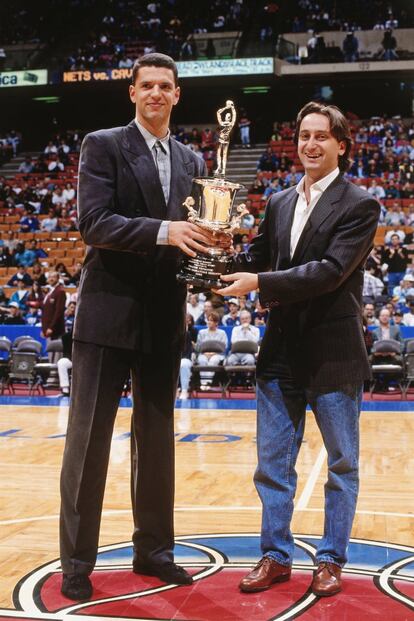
<point x="203" y="271"/>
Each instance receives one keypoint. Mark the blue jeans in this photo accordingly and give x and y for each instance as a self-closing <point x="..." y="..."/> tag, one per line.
<point x="281" y="411"/>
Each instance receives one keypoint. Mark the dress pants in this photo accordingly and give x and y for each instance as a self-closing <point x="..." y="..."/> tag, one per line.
<point x="281" y="412"/>
<point x="98" y="377"/>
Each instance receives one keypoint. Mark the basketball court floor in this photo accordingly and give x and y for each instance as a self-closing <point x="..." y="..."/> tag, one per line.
<point x="217" y="520"/>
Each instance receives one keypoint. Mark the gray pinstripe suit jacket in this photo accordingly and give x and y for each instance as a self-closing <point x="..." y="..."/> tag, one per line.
<point x="315" y="296"/>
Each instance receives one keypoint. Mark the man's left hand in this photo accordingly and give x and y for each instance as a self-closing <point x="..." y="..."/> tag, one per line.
<point x="240" y="283"/>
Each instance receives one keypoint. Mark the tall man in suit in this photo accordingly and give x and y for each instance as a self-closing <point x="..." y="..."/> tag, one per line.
<point x="315" y="238"/>
<point x="132" y="183"/>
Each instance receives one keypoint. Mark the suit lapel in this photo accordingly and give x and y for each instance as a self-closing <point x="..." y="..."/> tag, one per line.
<point x="143" y="167"/>
<point x="285" y="219"/>
<point x="322" y="210"/>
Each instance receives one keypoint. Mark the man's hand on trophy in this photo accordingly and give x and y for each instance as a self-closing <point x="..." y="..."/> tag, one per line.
<point x="189" y="237"/>
<point x="240" y="283"/>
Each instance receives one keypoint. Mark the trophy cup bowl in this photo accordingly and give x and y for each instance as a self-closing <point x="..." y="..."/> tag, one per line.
<point x="211" y="205"/>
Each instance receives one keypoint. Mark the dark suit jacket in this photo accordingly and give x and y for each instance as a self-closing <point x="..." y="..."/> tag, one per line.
<point x="128" y="281"/>
<point x="315" y="297"/>
<point x="53" y="313"/>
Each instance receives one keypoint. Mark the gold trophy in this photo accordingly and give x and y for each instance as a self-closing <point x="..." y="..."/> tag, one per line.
<point x="211" y="206"/>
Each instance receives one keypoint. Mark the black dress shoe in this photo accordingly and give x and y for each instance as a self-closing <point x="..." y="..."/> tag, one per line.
<point x="76" y="586"/>
<point x="168" y="572"/>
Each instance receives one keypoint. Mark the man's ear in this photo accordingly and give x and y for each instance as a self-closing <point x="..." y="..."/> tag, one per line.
<point x="132" y="94"/>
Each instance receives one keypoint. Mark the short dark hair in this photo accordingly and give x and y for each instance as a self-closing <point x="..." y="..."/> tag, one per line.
<point x="155" y="59"/>
<point x="339" y="127"/>
<point x="213" y="316"/>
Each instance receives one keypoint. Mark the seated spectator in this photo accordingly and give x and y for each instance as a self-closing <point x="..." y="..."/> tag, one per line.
<point x="51" y="149"/>
<point x="14" y="317"/>
<point x="194" y="306"/>
<point x="21" y="274"/>
<point x="33" y="316"/>
<point x="38" y="275"/>
<point x="207" y="309"/>
<point x="6" y="259"/>
<point x="268" y="161"/>
<point x="75" y="278"/>
<point x="257" y="187"/>
<point x="410" y="215"/>
<point x="40" y="165"/>
<point x="20" y="296"/>
<point x="372" y="286"/>
<point x="55" y="165"/>
<point x="28" y="222"/>
<point x="385" y="330"/>
<point x="211" y="333"/>
<point x="11" y="241"/>
<point x="391" y="191"/>
<point x="244" y="332"/>
<point x="273" y="188"/>
<point x="260" y="314"/>
<point x="69" y="193"/>
<point x="404" y="290"/>
<point x="232" y="318"/>
<point x="293" y="177"/>
<point x="26" y="166"/>
<point x="395" y="216"/>
<point x="398" y="318"/>
<point x="65" y="222"/>
<point x="64" y="276"/>
<point x="39" y="252"/>
<point x="24" y="256"/>
<point x="57" y="197"/>
<point x="35" y="296"/>
<point x="50" y="223"/>
<point x="368" y="314"/>
<point x="408" y="317"/>
<point x="187" y="356"/>
<point x="376" y="190"/>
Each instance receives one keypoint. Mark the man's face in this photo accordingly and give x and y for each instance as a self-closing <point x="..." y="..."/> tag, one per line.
<point x="53" y="279"/>
<point x="154" y="95"/>
<point x="318" y="150"/>
<point x="208" y="307"/>
<point x="384" y="316"/>
<point x="395" y="240"/>
<point x="245" y="318"/>
<point x="369" y="310"/>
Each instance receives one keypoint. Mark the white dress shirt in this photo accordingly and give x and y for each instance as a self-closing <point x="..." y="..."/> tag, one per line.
<point x="303" y="210"/>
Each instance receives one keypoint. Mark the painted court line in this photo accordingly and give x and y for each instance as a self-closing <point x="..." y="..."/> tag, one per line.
<point x="311" y="482"/>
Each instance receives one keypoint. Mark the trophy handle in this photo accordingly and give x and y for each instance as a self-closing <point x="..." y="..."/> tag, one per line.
<point x="189" y="203"/>
<point x="236" y="220"/>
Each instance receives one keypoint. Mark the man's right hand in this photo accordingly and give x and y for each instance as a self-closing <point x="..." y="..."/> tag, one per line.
<point x="190" y="237"/>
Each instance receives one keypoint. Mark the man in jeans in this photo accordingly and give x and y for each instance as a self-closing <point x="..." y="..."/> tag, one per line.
<point x="307" y="262"/>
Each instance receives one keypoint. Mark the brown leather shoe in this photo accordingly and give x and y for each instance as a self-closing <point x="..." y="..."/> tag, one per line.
<point x="326" y="580"/>
<point x="266" y="573"/>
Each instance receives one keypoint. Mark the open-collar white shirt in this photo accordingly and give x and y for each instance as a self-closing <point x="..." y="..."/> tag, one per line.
<point x="303" y="209"/>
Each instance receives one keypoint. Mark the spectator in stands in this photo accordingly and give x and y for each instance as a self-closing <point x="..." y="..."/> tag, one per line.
<point x="350" y="48"/>
<point x="70" y="316"/>
<point x="11" y="241"/>
<point x="293" y="177"/>
<point x="26" y="166"/>
<point x="28" y="222"/>
<point x="69" y="193"/>
<point x="6" y="259"/>
<point x="21" y="274"/>
<point x="62" y="270"/>
<point x="391" y="190"/>
<point x="40" y="165"/>
<point x="55" y="165"/>
<point x="272" y="188"/>
<point x="202" y="319"/>
<point x="244" y="332"/>
<point x="211" y="333"/>
<point x="260" y="314"/>
<point x="369" y="315"/>
<point x="39" y="252"/>
<point x="396" y="257"/>
<point x="38" y="275"/>
<point x="24" y="256"/>
<point x="33" y="316"/>
<point x="395" y="216"/>
<point x="404" y="290"/>
<point x="408" y="317"/>
<point x="268" y="161"/>
<point x="194" y="306"/>
<point x="50" y="223"/>
<point x="35" y="295"/>
<point x="389" y="46"/>
<point x="257" y="187"/>
<point x="20" y="296"/>
<point x="232" y="318"/>
<point x="395" y="231"/>
<point x="410" y="215"/>
<point x="376" y="191"/>
<point x="75" y="278"/>
<point x="187" y="356"/>
<point x="14" y="317"/>
<point x="65" y="221"/>
<point x="57" y="197"/>
<point x="50" y="149"/>
<point x="385" y="330"/>
<point x="372" y="286"/>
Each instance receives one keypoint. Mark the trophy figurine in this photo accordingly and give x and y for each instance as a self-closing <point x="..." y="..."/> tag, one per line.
<point x="211" y="206"/>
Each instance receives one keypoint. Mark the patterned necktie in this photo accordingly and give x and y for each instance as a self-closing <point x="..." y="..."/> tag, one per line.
<point x="163" y="166"/>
